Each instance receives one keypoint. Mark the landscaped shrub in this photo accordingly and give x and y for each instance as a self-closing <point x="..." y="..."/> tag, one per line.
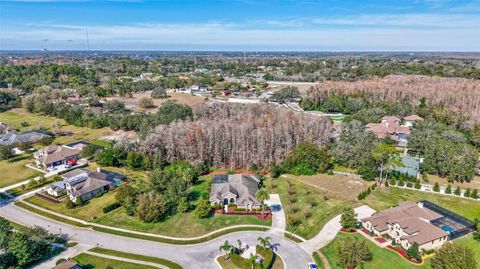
<point x="448" y="190"/>
<point x="436" y="187"/>
<point x="458" y="191"/>
<point x="467" y="193"/>
<point x="393" y="182"/>
<point x="368" y="173"/>
<point x="111" y="207"/>
<point x="474" y="194"/>
<point x="409" y="184"/>
<point x="401" y="183"/>
<point x="418" y="185"/>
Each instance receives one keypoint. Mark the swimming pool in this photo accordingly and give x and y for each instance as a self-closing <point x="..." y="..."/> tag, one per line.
<point x="447" y="229"/>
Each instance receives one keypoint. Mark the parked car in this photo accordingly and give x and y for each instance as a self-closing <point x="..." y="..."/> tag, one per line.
<point x="312" y="266"/>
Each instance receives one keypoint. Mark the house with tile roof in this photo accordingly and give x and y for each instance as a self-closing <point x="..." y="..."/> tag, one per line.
<point x="55" y="155"/>
<point x="406" y="224"/>
<point x="13" y="139"/>
<point x="391" y="126"/>
<point x="239" y="190"/>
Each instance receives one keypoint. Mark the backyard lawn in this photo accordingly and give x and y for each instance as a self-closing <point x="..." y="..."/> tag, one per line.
<point x="383" y="198"/>
<point x="14" y="170"/>
<point x="90" y="261"/>
<point x="382" y="258"/>
<point x="307" y="208"/>
<point x="16" y="116"/>
<point x="471" y="243"/>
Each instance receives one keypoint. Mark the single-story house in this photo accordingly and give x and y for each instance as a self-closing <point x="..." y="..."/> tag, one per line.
<point x="13" y="139"/>
<point x="54" y="155"/>
<point x="408" y="223"/>
<point x="6" y="129"/>
<point x="239" y="190"/>
<point x="56" y="189"/>
<point x="84" y="184"/>
<point x="391" y="126"/>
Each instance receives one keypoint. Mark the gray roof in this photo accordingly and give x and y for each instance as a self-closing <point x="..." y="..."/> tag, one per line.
<point x="11" y="139"/>
<point x="85" y="181"/>
<point x="244" y="187"/>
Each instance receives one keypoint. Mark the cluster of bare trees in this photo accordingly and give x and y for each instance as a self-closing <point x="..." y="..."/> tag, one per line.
<point x="237" y="135"/>
<point x="455" y="94"/>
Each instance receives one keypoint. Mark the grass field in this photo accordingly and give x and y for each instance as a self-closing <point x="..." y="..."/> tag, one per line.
<point x="88" y="212"/>
<point x="90" y="261"/>
<point x="14" y="170"/>
<point x="226" y="264"/>
<point x="297" y="205"/>
<point x="382" y="258"/>
<point x="161" y="261"/>
<point x="383" y="198"/>
<point x="468" y="241"/>
<point x="16" y="116"/>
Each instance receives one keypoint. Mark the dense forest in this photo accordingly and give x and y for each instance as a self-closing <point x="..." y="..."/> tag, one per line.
<point x="237" y="136"/>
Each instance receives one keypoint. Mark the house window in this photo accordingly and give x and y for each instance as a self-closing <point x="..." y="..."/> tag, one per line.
<point x="225" y="201"/>
<point x="232" y="201"/>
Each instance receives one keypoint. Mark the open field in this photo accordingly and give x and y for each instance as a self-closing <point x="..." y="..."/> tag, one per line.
<point x="16" y="116"/>
<point x="342" y="186"/>
<point x="383" y="198"/>
<point x="94" y="262"/>
<point x="382" y="258"/>
<point x="14" y="170"/>
<point x="307" y="208"/>
<point x="183" y="98"/>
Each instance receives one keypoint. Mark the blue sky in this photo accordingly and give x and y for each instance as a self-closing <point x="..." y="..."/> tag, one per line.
<point x="303" y="25"/>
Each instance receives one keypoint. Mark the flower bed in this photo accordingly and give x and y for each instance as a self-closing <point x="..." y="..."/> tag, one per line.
<point x="260" y="214"/>
<point x="343" y="230"/>
<point x="380" y="240"/>
<point x="365" y="231"/>
<point x="403" y="254"/>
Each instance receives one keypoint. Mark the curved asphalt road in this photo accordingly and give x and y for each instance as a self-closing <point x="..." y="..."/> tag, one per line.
<point x="189" y="256"/>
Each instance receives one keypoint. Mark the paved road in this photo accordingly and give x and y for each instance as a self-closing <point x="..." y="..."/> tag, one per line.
<point x="331" y="228"/>
<point x="189" y="256"/>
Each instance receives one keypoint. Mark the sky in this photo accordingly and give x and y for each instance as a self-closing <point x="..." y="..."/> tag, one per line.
<point x="241" y="25"/>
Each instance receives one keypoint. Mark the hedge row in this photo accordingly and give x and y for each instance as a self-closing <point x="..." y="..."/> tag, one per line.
<point x="111" y="207"/>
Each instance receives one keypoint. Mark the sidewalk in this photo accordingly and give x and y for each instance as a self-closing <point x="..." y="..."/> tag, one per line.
<point x="126" y="259"/>
<point x="68" y="253"/>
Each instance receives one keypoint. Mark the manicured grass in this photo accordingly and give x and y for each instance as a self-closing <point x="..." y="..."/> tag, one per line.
<point x="170" y="264"/>
<point x="468" y="241"/>
<point x="226" y="264"/>
<point x="179" y="242"/>
<point x="14" y="170"/>
<point x="48" y="215"/>
<point x="293" y="238"/>
<point x="24" y="189"/>
<point x="88" y="212"/>
<point x="382" y="257"/>
<point x="318" y="260"/>
<point x="383" y="198"/>
<point x="90" y="261"/>
<point x="16" y="116"/>
<point x="327" y="207"/>
<point x="180" y="224"/>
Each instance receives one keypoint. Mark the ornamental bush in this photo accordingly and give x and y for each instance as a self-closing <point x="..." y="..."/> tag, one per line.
<point x="436" y="187"/>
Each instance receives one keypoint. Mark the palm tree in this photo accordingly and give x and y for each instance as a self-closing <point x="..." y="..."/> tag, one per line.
<point x="252" y="260"/>
<point x="264" y="241"/>
<point x="262" y="195"/>
<point x="226" y="247"/>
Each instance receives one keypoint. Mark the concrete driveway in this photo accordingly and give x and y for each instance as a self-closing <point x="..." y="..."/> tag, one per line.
<point x="278" y="215"/>
<point x="331" y="228"/>
<point x="189" y="256"/>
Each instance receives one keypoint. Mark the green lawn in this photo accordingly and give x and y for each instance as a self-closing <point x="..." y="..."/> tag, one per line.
<point x="382" y="258"/>
<point x="14" y="170"/>
<point x="310" y="219"/>
<point x="88" y="212"/>
<point x="169" y="264"/>
<point x="383" y="198"/>
<point x="472" y="244"/>
<point x="16" y="116"/>
<point x="90" y="261"/>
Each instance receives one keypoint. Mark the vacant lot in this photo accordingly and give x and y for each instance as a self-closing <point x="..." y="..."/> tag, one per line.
<point x="473" y="184"/>
<point x="383" y="198"/>
<point x="307" y="208"/>
<point x="183" y="98"/>
<point x="341" y="186"/>
<point x="17" y="116"/>
<point x="14" y="170"/>
<point x="382" y="258"/>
